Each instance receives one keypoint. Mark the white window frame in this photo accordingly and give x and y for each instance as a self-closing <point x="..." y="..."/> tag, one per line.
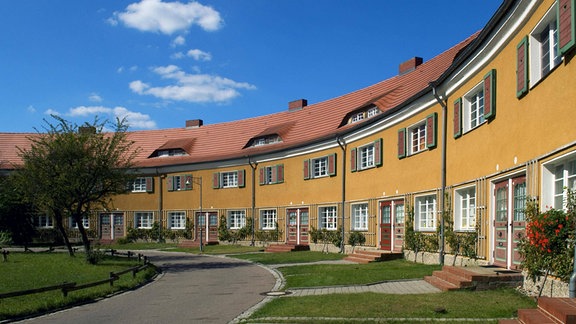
<point x="473" y="109"/>
<point x="366" y="154"/>
<point x="465" y="209"/>
<point x="236" y="219"/>
<point x="268" y="219"/>
<point x="143" y="219"/>
<point x="557" y="175"/>
<point x="373" y="111"/>
<point x="357" y="117"/>
<point x="548" y="22"/>
<point x="320" y="167"/>
<point x="229" y="179"/>
<point x="417" y="138"/>
<point x="359" y="219"/>
<point x="171" y="152"/>
<point x="85" y="222"/>
<point x="43" y="221"/>
<point x="139" y="184"/>
<point x="177" y="220"/>
<point x="425" y="213"/>
<point x="328" y="218"/>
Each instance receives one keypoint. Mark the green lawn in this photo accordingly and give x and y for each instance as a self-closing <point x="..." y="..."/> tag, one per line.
<point x="34" y="270"/>
<point x="490" y="304"/>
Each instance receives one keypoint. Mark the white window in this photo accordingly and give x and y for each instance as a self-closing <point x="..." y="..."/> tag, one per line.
<point x="373" y="112"/>
<point x="236" y="219"/>
<point x="139" y="185"/>
<point x="360" y="217"/>
<point x="399" y="212"/>
<point x="85" y="222"/>
<point x="268" y="219"/>
<point x="557" y="177"/>
<point x="178" y="183"/>
<point x="229" y="179"/>
<point x="473" y="112"/>
<point x="320" y="166"/>
<point x="425" y="213"/>
<point x="171" y="152"/>
<point x="366" y="156"/>
<point x="544" y="55"/>
<point x="357" y="117"/>
<point x="328" y="218"/>
<point x="177" y="220"/>
<point x="270" y="139"/>
<point x="417" y="138"/>
<point x="143" y="219"/>
<point x="43" y="221"/>
<point x="465" y="209"/>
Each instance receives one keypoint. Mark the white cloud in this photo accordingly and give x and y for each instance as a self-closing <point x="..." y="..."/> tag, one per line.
<point x="178" y="41"/>
<point x="191" y="87"/>
<point x="51" y="112"/>
<point x="177" y="55"/>
<point x="199" y="55"/>
<point x="94" y="97"/>
<point x="31" y="109"/>
<point x="167" y="17"/>
<point x="133" y="119"/>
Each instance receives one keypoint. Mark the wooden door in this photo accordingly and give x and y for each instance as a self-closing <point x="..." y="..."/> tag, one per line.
<point x="398" y="225"/>
<point x="386" y="225"/>
<point x="207" y="226"/>
<point x="118" y="220"/>
<point x="519" y="218"/>
<point x="105" y="227"/>
<point x="501" y="224"/>
<point x="297" y="226"/>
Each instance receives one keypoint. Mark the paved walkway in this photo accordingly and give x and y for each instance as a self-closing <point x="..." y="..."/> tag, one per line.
<point x="417" y="286"/>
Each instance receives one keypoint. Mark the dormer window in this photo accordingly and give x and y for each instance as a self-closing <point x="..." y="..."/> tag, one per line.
<point x="357" y="117"/>
<point x="371" y="112"/>
<point x="172" y="152"/>
<point x="360" y="114"/>
<point x="266" y="140"/>
<point x="174" y="147"/>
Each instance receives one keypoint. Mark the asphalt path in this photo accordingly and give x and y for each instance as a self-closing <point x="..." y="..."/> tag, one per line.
<point x="191" y="289"/>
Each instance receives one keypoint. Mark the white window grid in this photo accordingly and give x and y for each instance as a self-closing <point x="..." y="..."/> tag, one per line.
<point x="564" y="177"/>
<point x="373" y="112"/>
<point x="177" y="220"/>
<point x="465" y="208"/>
<point x="366" y="156"/>
<point x="543" y="43"/>
<point x="328" y="218"/>
<point x="268" y="219"/>
<point x="399" y="213"/>
<point x="139" y="185"/>
<point x="43" y="221"/>
<point x="236" y="219"/>
<point x="417" y="138"/>
<point x="549" y="48"/>
<point x="320" y="167"/>
<point x="229" y="179"/>
<point x="85" y="222"/>
<point x="426" y="213"/>
<point x="357" y="117"/>
<point x="144" y="219"/>
<point x="360" y="217"/>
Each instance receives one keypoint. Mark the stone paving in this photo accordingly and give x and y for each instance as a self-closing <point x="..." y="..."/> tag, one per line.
<point x="417" y="286"/>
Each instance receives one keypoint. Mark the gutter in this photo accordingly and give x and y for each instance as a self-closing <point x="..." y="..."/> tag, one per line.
<point x="342" y="145"/>
<point x="442" y="103"/>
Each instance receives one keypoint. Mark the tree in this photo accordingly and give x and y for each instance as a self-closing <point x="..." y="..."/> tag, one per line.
<point x="15" y="215"/>
<point x="71" y="170"/>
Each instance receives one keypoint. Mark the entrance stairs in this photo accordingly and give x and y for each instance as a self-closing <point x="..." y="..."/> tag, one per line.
<point x="367" y="256"/>
<point x="194" y="243"/>
<point x="279" y="248"/>
<point x="550" y="310"/>
<point x="474" y="278"/>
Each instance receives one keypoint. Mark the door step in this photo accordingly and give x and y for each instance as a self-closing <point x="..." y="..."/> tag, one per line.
<point x="550" y="310"/>
<point x="367" y="256"/>
<point x="474" y="278"/>
<point x="279" y="248"/>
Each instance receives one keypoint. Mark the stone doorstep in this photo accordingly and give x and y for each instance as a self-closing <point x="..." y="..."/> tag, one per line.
<point x="564" y="309"/>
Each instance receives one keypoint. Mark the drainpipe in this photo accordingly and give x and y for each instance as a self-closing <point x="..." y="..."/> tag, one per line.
<point x="443" y="171"/>
<point x="342" y="145"/>
<point x="572" y="286"/>
<point x="253" y="165"/>
<point x="160" y="202"/>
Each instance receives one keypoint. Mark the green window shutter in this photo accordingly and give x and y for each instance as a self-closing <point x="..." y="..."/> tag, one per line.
<point x="457" y="118"/>
<point x="279" y="173"/>
<point x="149" y="184"/>
<point x="378" y="152"/>
<point x="332" y="164"/>
<point x="566" y="25"/>
<point x="262" y="175"/>
<point x="241" y="178"/>
<point x="187" y="182"/>
<point x="353" y="160"/>
<point x="170" y="183"/>
<point x="306" y="169"/>
<point x="216" y="180"/>
<point x="490" y="94"/>
<point x="522" y="67"/>
<point x="431" y="126"/>
<point x="402" y="143"/>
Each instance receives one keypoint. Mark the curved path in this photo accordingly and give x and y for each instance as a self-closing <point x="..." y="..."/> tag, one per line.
<point x="191" y="289"/>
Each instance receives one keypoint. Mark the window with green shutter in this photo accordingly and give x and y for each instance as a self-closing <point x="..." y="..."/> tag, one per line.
<point x="566" y="25"/>
<point x="457" y="121"/>
<point x="402" y="143"/>
<point x="490" y="94"/>
<point x="431" y="125"/>
<point x="522" y="68"/>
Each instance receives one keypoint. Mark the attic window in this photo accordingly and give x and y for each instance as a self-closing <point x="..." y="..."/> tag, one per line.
<point x="171" y="152"/>
<point x="360" y="114"/>
<point x="266" y="140"/>
<point x="174" y="147"/>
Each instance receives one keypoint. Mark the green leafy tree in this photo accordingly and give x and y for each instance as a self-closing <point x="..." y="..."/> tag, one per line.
<point x="70" y="170"/>
<point x="15" y="215"/>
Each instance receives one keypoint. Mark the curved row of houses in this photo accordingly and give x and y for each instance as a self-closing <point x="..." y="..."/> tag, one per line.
<point x="468" y="136"/>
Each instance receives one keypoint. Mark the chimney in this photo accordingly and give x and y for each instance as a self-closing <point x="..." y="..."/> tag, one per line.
<point x="194" y="123"/>
<point x="409" y="65"/>
<point x="86" y="130"/>
<point x="297" y="104"/>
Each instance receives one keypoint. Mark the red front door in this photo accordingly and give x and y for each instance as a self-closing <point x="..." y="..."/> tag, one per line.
<point x="297" y="226"/>
<point x="386" y="225"/>
<point x="509" y="221"/>
<point x="207" y="226"/>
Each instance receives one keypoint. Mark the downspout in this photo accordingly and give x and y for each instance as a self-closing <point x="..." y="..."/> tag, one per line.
<point x="443" y="171"/>
<point x="253" y="165"/>
<point x="342" y="145"/>
<point x="160" y="202"/>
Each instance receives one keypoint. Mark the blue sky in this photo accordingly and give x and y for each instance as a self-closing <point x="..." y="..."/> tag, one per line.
<point x="160" y="63"/>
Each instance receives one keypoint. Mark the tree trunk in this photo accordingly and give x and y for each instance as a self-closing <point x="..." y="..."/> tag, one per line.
<point x="60" y="226"/>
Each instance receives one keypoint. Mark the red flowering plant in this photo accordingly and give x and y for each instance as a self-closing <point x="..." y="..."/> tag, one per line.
<point x="548" y="245"/>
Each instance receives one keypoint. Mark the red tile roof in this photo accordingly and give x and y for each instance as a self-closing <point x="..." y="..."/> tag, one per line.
<point x="296" y="127"/>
